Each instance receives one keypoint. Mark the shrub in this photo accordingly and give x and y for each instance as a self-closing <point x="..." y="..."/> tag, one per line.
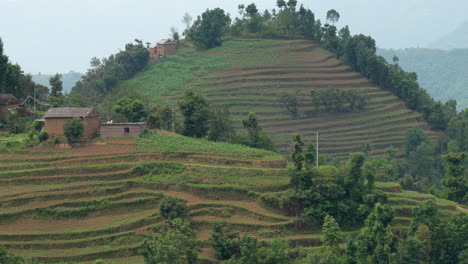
<point x="172" y="208"/>
<point x="43" y="136"/>
<point x="73" y="129"/>
<point x="37" y="125"/>
<point x="56" y="140"/>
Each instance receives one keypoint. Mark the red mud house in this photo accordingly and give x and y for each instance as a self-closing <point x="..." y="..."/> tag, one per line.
<point x="122" y="129"/>
<point x="7" y="103"/>
<point x="164" y="47"/>
<point x="55" y="118"/>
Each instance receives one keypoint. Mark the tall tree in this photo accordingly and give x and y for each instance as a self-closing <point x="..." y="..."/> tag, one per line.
<point x="333" y="16"/>
<point x="208" y="29"/>
<point x="56" y="85"/>
<point x="196" y="112"/>
<point x="187" y="20"/>
<point x="455" y="179"/>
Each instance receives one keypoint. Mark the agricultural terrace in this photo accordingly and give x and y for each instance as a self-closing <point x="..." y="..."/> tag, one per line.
<point x="100" y="201"/>
<point x="249" y="75"/>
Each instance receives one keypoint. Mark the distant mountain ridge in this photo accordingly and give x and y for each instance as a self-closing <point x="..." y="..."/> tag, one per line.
<point x="444" y="74"/>
<point x="69" y="79"/>
<point x="457" y="39"/>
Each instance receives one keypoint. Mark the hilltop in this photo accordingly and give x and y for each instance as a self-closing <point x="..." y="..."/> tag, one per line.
<point x="457" y="39"/>
<point x="68" y="205"/>
<point x="249" y="75"/>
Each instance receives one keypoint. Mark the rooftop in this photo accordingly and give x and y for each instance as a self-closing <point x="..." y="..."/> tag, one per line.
<point x="71" y="112"/>
<point x="7" y="99"/>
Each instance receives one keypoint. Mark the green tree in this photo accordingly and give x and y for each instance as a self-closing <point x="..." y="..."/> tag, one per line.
<point x="333" y="16"/>
<point x="133" y="109"/>
<point x="56" y="85"/>
<point x="208" y="29"/>
<point x="172" y="208"/>
<point x="161" y="117"/>
<point x="275" y="253"/>
<point x="414" y="136"/>
<point x="455" y="178"/>
<point x="226" y="244"/>
<point x="256" y="138"/>
<point x="297" y="156"/>
<point x="196" y="112"/>
<point x="376" y="243"/>
<point x="280" y="4"/>
<point x="73" y="129"/>
<point x="176" y="243"/>
<point x="290" y="102"/>
<point x="331" y="233"/>
<point x="220" y="127"/>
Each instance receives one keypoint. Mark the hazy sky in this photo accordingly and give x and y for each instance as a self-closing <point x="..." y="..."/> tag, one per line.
<point x="51" y="36"/>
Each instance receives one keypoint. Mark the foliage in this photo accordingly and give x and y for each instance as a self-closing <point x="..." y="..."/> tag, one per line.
<point x="290" y="102"/>
<point x="43" y="136"/>
<point x="172" y="208"/>
<point x="174" y="244"/>
<point x="73" y="129"/>
<point x="456" y="179"/>
<point x="256" y="137"/>
<point x="100" y="79"/>
<point x="376" y="242"/>
<point x="196" y="112"/>
<point x="7" y="257"/>
<point x="414" y="137"/>
<point x="226" y="244"/>
<point x="56" y="85"/>
<point x="443" y="73"/>
<point x="132" y="109"/>
<point x="220" y="126"/>
<point x="160" y="117"/>
<point x="338" y="100"/>
<point x="14" y="81"/>
<point x="333" y="16"/>
<point x="207" y="30"/>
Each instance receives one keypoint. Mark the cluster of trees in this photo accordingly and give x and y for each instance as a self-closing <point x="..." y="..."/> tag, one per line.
<point x="106" y="73"/>
<point x="344" y="192"/>
<point x="338" y="100"/>
<point x="14" y="81"/>
<point x="328" y="100"/>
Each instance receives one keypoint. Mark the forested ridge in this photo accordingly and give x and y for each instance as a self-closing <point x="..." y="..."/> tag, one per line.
<point x="444" y="74"/>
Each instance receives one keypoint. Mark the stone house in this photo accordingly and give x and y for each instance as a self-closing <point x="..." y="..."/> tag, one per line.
<point x="164" y="47"/>
<point x="122" y="129"/>
<point x="55" y="118"/>
<point x="7" y="103"/>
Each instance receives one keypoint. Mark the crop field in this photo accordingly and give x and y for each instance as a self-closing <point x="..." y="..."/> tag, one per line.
<point x="90" y="202"/>
<point x="248" y="76"/>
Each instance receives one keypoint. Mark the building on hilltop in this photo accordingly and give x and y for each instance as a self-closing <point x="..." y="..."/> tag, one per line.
<point x="122" y="129"/>
<point x="55" y="118"/>
<point x="8" y="102"/>
<point x="163" y="47"/>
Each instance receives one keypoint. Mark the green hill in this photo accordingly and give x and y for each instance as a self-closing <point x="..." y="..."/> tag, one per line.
<point x="97" y="201"/>
<point x="249" y="75"/>
<point x="444" y="74"/>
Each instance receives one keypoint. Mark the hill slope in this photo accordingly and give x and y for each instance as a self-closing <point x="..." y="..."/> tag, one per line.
<point x="249" y="75"/>
<point x="444" y="74"/>
<point x="457" y="39"/>
<point x="89" y="202"/>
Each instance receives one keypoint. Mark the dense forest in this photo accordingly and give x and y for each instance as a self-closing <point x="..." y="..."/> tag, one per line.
<point x="444" y="74"/>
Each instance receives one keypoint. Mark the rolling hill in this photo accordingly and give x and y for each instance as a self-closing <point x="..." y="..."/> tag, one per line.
<point x="91" y="202"/>
<point x="249" y="75"/>
<point x="457" y="39"/>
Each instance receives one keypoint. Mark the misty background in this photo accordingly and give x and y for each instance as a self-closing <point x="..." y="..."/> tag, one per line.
<point x="50" y="36"/>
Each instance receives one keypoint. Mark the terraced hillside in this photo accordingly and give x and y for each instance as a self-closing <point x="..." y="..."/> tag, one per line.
<point x="249" y="75"/>
<point x="90" y="202"/>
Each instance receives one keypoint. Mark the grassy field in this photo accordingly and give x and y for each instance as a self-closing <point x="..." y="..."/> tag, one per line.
<point x="76" y="205"/>
<point x="248" y="75"/>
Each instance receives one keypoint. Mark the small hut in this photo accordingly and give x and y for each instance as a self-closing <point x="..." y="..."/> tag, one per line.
<point x="7" y="102"/>
<point x="122" y="129"/>
<point x="55" y="118"/>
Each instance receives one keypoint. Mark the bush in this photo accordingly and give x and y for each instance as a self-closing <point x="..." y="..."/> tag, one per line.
<point x="56" y="140"/>
<point x="43" y="136"/>
<point x="172" y="208"/>
<point x="73" y="129"/>
<point x="37" y="125"/>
